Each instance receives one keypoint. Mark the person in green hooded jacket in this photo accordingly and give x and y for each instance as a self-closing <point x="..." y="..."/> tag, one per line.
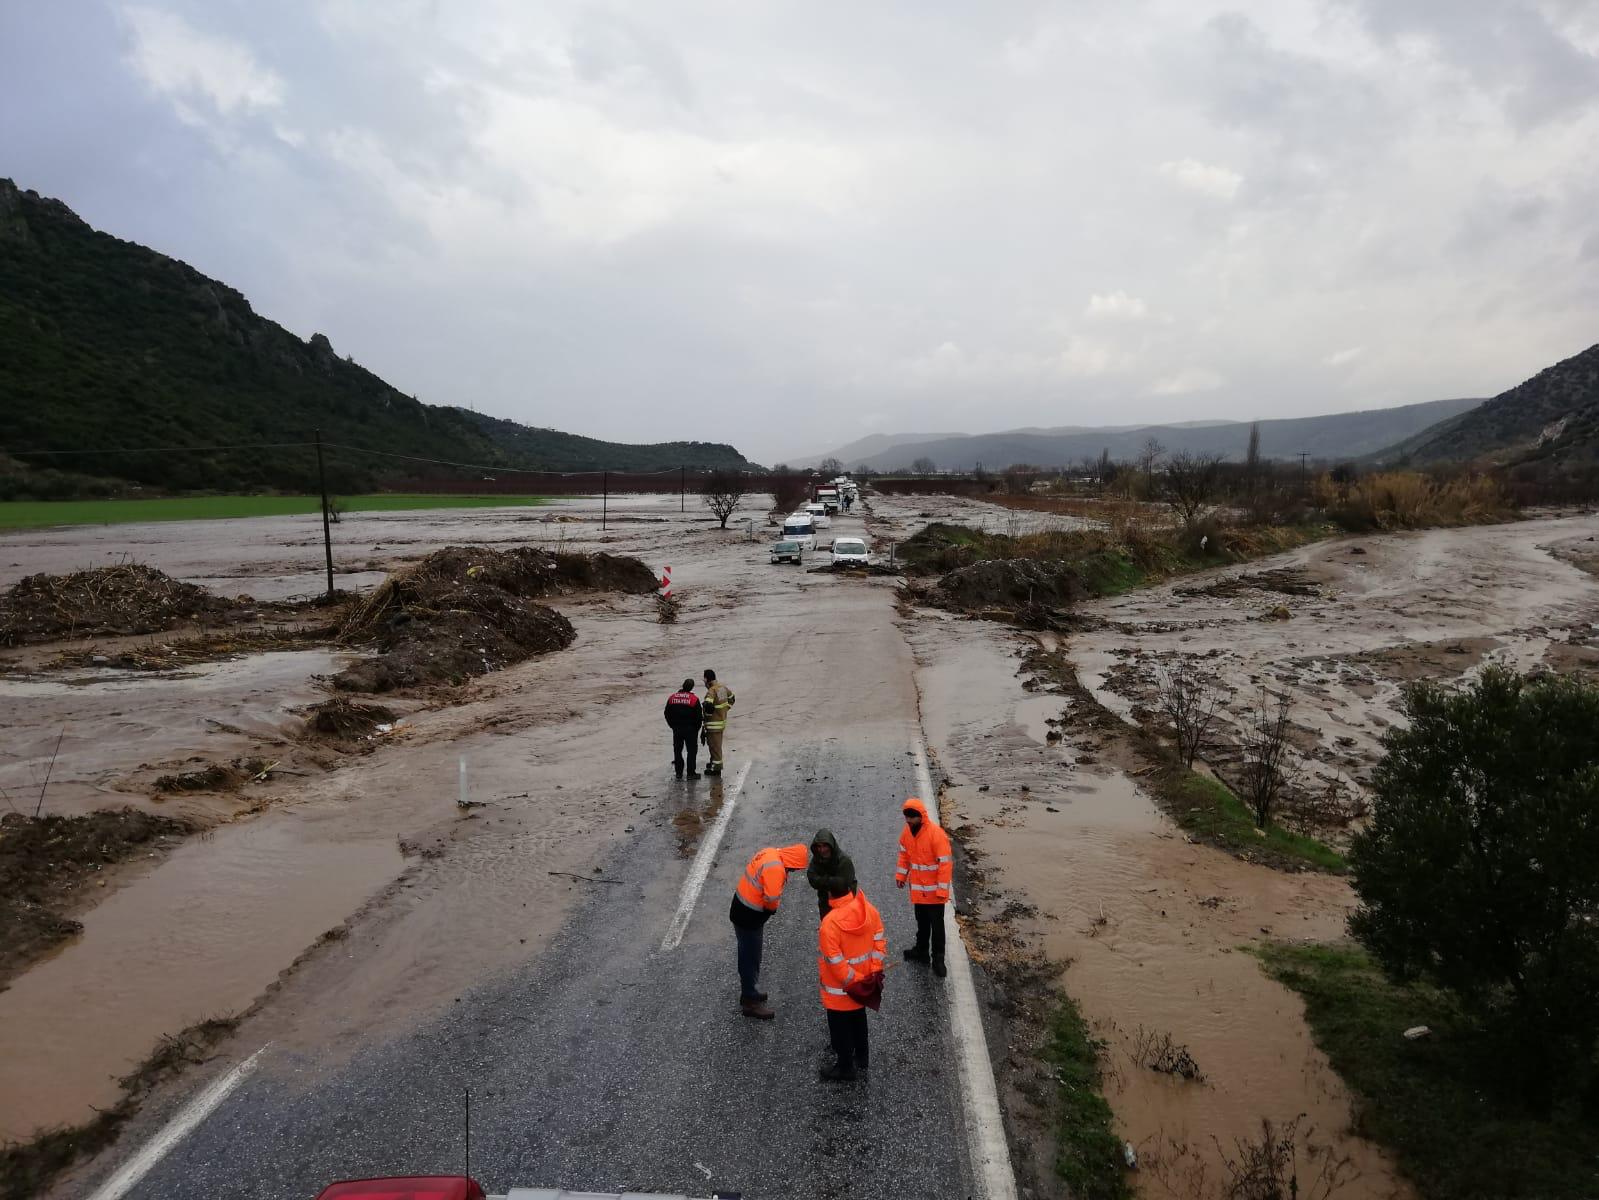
<point x="828" y="863"/>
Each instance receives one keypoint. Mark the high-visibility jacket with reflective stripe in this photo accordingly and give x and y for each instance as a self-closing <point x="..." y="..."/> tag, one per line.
<point x="926" y="862"/>
<point x="761" y="885"/>
<point x="849" y="946"/>
<point x="718" y="699"/>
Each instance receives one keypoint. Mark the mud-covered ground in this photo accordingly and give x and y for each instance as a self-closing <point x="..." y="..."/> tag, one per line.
<point x="1153" y="930"/>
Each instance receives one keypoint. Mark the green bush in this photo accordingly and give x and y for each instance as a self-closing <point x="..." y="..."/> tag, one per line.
<point x="1480" y="868"/>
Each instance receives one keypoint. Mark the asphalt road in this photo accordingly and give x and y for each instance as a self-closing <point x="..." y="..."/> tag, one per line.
<point x="610" y="1064"/>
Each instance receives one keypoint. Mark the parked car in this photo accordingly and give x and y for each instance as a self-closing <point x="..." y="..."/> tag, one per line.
<point x="851" y="552"/>
<point x="798" y="527"/>
<point x="789" y="551"/>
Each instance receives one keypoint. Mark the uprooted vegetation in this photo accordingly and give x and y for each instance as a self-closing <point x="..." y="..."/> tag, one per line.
<point x="344" y="718"/>
<point x="28" y="1168"/>
<point x="464" y="611"/>
<point x="48" y="862"/>
<point x="129" y="598"/>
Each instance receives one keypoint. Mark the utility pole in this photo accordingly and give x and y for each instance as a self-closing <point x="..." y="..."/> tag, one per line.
<point x="327" y="530"/>
<point x="1303" y="455"/>
<point x="682" y="489"/>
<point x="605" y="496"/>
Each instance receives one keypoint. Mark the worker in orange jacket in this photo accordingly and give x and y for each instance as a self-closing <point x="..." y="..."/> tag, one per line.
<point x="850" y="947"/>
<point x="755" y="899"/>
<point x="927" y="865"/>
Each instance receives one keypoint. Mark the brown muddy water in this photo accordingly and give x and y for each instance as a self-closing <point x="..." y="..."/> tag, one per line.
<point x="1155" y="929"/>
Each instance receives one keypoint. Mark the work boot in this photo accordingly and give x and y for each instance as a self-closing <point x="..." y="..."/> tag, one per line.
<point x="938" y="968"/>
<point x="756" y="1009"/>
<point x="678" y="771"/>
<point x="693" y="774"/>
<point x="834" y="1073"/>
<point x="912" y="954"/>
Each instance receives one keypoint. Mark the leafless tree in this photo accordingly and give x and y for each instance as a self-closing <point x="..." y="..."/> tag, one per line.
<point x="1191" y="704"/>
<point x="831" y="467"/>
<point x="722" y="491"/>
<point x="1265" y="770"/>
<point x="1191" y="484"/>
<point x="788" y="493"/>
<point x="1148" y="456"/>
<point x="924" y="466"/>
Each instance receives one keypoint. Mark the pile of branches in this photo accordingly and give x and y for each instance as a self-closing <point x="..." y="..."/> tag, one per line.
<point x="129" y="598"/>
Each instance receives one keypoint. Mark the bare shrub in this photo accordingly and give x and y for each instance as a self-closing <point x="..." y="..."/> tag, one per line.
<point x="1190" y="703"/>
<point x="667" y="606"/>
<point x="1191" y="482"/>
<point x="722" y="491"/>
<point x="1411" y="500"/>
<point x="1283" y="1162"/>
<point x="1265" y="769"/>
<point x="1160" y="1052"/>
<point x="788" y="493"/>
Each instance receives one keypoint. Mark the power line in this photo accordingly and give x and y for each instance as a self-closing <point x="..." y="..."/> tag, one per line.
<point x="169" y="449"/>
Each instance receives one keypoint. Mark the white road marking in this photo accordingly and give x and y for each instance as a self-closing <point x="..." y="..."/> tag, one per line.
<point x="190" y="1116"/>
<point x="985" y="1129"/>
<point x="702" y="865"/>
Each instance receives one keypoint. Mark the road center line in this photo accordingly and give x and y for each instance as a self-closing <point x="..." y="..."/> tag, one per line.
<point x="985" y="1129"/>
<point x="702" y="865"/>
<point x="202" y="1106"/>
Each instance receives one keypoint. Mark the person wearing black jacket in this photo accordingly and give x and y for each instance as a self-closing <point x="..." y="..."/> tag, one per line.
<point x="684" y="716"/>
<point x="828" y="863"/>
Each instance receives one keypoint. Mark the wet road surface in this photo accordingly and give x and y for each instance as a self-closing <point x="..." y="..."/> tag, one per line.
<point x="609" y="1064"/>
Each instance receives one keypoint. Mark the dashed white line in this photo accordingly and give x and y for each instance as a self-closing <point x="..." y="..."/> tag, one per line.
<point x="702" y="865"/>
<point x="985" y="1129"/>
<point x="202" y="1106"/>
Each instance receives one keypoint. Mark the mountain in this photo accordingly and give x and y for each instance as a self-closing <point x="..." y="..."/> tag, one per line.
<point x="1552" y="418"/>
<point x="862" y="448"/>
<point x="108" y="345"/>
<point x="1334" y="436"/>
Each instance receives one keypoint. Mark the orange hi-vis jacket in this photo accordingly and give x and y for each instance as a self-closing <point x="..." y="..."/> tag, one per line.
<point x="926" y="859"/>
<point x="849" y="947"/>
<point x="761" y="885"/>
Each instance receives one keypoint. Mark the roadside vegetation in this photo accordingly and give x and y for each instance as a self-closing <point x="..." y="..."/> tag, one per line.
<point x="1465" y="1018"/>
<point x="33" y="514"/>
<point x="1088" y="1154"/>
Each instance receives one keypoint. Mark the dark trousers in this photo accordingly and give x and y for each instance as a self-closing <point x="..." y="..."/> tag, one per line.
<point x="749" y="960"/>
<point x="684" y="741"/>
<point x="930" y="930"/>
<point x="848" y="1033"/>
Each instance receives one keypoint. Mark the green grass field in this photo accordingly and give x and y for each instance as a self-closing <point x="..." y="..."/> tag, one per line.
<point x="35" y="514"/>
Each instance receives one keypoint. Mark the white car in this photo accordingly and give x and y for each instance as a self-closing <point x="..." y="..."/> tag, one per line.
<point x="798" y="527"/>
<point x="851" y="552"/>
<point x="818" y="516"/>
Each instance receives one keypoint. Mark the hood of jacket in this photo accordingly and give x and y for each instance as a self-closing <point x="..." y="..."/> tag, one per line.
<point x="849" y="912"/>
<point x="915" y="805"/>
<point x="825" y="837"/>
<point x="795" y="858"/>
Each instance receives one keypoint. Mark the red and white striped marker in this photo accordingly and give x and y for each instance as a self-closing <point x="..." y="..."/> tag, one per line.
<point x="666" y="580"/>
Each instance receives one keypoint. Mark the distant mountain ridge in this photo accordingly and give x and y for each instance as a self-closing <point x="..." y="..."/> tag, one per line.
<point x="1333" y="436"/>
<point x="110" y="345"/>
<point x="1552" y="418"/>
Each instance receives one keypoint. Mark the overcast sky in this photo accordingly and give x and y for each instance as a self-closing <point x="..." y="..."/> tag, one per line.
<point x="788" y="225"/>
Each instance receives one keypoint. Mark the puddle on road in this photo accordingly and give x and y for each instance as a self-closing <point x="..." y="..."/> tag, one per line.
<point x="99" y="1006"/>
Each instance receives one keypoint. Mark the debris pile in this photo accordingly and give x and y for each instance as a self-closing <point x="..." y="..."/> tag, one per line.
<point x="212" y="778"/>
<point x="344" y="718"/>
<point x="1013" y="584"/>
<point x="126" y="599"/>
<point x="466" y="610"/>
